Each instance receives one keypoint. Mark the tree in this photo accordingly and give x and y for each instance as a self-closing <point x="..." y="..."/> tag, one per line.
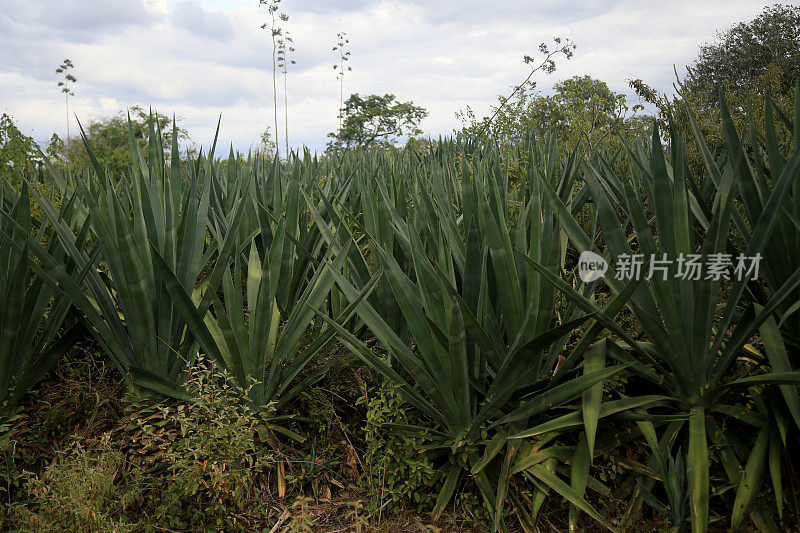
<point x="746" y="51"/>
<point x="507" y="120"/>
<point x="582" y="109"/>
<point x="109" y="138"/>
<point x="563" y="47"/>
<point x="268" y="146"/>
<point x="65" y="84"/>
<point x="55" y="148"/>
<point x="376" y="120"/>
<point x="750" y="62"/>
<point x="590" y="110"/>
<point x="19" y="154"/>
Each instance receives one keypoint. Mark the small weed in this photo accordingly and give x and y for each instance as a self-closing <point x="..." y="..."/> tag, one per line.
<point x="77" y="492"/>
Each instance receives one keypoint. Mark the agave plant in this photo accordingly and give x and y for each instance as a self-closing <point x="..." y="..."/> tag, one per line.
<point x="285" y="227"/>
<point x="486" y="333"/>
<point x="758" y="177"/>
<point x="766" y="178"/>
<point x="32" y="313"/>
<point x="260" y="348"/>
<point x="757" y="171"/>
<point x="122" y="295"/>
<point x="693" y="349"/>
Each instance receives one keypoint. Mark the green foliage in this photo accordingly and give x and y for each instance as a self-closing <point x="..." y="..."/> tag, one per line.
<point x="260" y="337"/>
<point x="218" y="464"/>
<point x="213" y="467"/>
<point x="480" y="326"/>
<point x="19" y="155"/>
<point x="246" y="338"/>
<point x="376" y="121"/>
<point x="397" y="471"/>
<point x="77" y="492"/>
<point x="685" y="359"/>
<point x="564" y="47"/>
<point x="496" y="374"/>
<point x="746" y="107"/>
<point x="743" y="53"/>
<point x="123" y="298"/>
<point x="268" y="145"/>
<point x="300" y="521"/>
<point x="582" y="109"/>
<point x="450" y="278"/>
<point x="109" y="139"/>
<point x="55" y="148"/>
<point x="31" y="312"/>
<point x="752" y="62"/>
<point x="11" y="476"/>
<point x="587" y="106"/>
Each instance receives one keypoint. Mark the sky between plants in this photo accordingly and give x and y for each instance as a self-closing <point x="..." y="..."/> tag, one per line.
<point x="200" y="58"/>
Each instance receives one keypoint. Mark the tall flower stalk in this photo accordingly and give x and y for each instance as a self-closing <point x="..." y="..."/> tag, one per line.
<point x="65" y="85"/>
<point x="561" y="46"/>
<point x="341" y="67"/>
<point x="285" y="49"/>
<point x="275" y="18"/>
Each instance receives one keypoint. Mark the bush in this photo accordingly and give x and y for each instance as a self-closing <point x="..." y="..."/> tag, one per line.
<point x="396" y="470"/>
<point x="218" y="465"/>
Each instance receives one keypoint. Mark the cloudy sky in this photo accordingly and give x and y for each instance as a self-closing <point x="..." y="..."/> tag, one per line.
<point x="198" y="58"/>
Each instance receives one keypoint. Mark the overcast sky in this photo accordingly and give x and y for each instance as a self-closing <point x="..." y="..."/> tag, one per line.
<point x="198" y="58"/>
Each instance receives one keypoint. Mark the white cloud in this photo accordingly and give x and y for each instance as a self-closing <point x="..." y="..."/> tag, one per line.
<point x="199" y="58"/>
<point x="192" y="17"/>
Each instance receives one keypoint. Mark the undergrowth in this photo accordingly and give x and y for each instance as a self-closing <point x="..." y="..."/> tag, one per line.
<point x="120" y="463"/>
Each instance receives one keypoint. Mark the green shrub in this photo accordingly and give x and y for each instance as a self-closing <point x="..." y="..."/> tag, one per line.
<point x="218" y="465"/>
<point x="395" y="469"/>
